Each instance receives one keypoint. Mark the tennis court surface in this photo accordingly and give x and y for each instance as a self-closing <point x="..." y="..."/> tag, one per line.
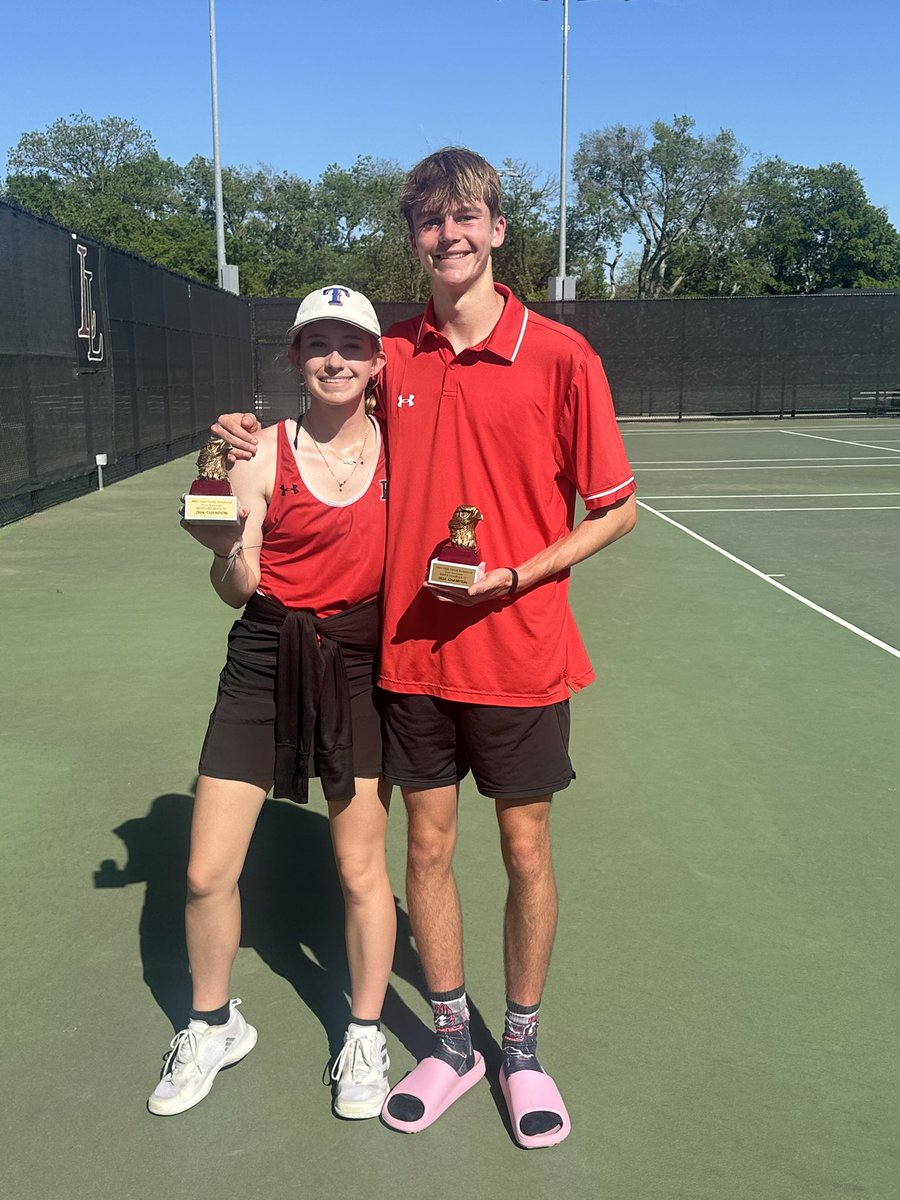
<point x="721" y="1014"/>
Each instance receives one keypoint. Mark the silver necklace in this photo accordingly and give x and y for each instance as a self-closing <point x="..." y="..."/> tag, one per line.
<point x="356" y="461"/>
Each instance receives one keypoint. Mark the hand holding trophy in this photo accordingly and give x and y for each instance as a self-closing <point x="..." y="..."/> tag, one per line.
<point x="456" y="562"/>
<point x="210" y="500"/>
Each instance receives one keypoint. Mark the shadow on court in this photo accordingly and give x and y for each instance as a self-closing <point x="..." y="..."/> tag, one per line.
<point x="292" y="916"/>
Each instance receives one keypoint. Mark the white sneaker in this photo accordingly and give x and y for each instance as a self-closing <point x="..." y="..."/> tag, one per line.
<point x="360" y="1073"/>
<point x="195" y="1057"/>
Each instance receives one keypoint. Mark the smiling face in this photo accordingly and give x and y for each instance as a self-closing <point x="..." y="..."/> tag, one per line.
<point x="454" y="245"/>
<point x="337" y="361"/>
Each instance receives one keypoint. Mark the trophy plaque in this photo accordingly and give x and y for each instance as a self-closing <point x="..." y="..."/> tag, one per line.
<point x="456" y="562"/>
<point x="210" y="500"/>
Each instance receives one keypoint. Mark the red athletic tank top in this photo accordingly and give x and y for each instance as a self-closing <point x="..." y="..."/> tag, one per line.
<point x="317" y="554"/>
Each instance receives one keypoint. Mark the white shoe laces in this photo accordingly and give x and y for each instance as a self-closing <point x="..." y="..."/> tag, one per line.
<point x="354" y="1049"/>
<point x="182" y="1050"/>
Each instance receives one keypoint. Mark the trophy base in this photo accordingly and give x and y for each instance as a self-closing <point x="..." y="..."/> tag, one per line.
<point x="201" y="508"/>
<point x="454" y="574"/>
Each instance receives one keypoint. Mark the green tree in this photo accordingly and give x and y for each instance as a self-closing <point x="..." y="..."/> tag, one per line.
<point x="81" y="151"/>
<point x="528" y="255"/>
<point x="282" y="236"/>
<point x="361" y="225"/>
<point x="715" y="259"/>
<point x="38" y="193"/>
<point x="596" y="228"/>
<point x="244" y="191"/>
<point x="814" y="228"/>
<point x="659" y="187"/>
<point x="106" y="179"/>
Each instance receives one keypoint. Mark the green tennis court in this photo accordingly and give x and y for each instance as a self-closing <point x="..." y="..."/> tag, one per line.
<point x="721" y="1014"/>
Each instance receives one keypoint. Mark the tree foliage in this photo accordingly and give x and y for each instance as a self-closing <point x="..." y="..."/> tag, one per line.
<point x="81" y="151"/>
<point x="528" y="255"/>
<point x="814" y="228"/>
<point x="703" y="224"/>
<point x="661" y="188"/>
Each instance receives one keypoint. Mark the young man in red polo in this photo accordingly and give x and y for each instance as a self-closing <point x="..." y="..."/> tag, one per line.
<point x="486" y="404"/>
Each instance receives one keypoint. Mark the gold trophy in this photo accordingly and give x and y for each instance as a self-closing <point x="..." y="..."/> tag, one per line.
<point x="211" y="500"/>
<point x="456" y="562"/>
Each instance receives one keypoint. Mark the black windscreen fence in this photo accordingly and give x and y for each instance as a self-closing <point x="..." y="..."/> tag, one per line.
<point x="738" y="356"/>
<point x="778" y="356"/>
<point x="102" y="353"/>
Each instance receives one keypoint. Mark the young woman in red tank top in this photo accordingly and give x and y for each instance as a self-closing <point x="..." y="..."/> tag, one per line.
<point x="296" y="698"/>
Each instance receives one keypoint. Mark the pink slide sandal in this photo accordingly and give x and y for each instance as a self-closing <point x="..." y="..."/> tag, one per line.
<point x="528" y="1092"/>
<point x="432" y="1086"/>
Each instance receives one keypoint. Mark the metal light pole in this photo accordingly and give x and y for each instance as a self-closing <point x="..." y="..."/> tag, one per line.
<point x="227" y="273"/>
<point x="563" y="155"/>
<point x="562" y="286"/>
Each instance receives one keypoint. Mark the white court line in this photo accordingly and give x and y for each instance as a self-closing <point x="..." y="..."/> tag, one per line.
<point x="774" y="496"/>
<point x="774" y="583"/>
<point x="804" y="458"/>
<point x="829" y="466"/>
<point x="678" y="429"/>
<point x="804" y="508"/>
<point x="840" y="441"/>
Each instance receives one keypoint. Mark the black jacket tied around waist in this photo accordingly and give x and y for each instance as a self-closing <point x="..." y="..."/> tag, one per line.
<point x="312" y="693"/>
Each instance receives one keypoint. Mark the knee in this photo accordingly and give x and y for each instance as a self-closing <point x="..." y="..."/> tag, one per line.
<point x="205" y="880"/>
<point x="429" y="851"/>
<point x="362" y="876"/>
<point x="527" y="857"/>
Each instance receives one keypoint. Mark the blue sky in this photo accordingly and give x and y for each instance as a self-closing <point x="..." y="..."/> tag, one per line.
<point x="309" y="83"/>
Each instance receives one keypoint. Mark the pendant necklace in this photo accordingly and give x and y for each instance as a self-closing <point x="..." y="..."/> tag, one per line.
<point x="356" y="461"/>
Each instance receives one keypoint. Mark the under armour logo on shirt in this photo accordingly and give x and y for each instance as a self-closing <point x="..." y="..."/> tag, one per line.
<point x="401" y="400"/>
<point x="337" y="294"/>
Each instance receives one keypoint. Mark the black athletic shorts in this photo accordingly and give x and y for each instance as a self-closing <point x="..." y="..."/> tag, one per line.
<point x="513" y="753"/>
<point x="240" y="739"/>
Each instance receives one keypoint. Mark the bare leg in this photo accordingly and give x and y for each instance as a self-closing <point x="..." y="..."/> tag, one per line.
<point x="531" y="906"/>
<point x="431" y="895"/>
<point x="225" y="814"/>
<point x="536" y="1108"/>
<point x="358" y="829"/>
<point x="434" y="913"/>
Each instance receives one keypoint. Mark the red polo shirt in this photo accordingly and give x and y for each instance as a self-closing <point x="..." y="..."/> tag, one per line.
<point x="516" y="425"/>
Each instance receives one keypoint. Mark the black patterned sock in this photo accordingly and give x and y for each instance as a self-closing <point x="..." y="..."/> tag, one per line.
<point x="520" y="1054"/>
<point x="520" y="1030"/>
<point x="451" y="1023"/>
<point x="219" y="1016"/>
<point x="454" y="1047"/>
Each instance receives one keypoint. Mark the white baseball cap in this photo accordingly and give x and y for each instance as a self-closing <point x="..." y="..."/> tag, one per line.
<point x="337" y="303"/>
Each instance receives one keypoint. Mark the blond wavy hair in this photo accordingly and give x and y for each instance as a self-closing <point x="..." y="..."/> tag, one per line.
<point x="450" y="177"/>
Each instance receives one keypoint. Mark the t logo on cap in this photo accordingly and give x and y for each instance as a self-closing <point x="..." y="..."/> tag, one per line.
<point x="336" y="293"/>
<point x="352" y="308"/>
